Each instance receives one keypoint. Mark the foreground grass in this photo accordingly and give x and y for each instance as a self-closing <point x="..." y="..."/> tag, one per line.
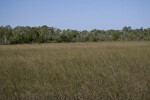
<point x="82" y="71"/>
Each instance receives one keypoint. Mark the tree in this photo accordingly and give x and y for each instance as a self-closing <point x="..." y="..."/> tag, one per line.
<point x="126" y="29"/>
<point x="21" y="34"/>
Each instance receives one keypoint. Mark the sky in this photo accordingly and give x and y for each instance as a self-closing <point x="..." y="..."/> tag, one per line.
<point x="76" y="14"/>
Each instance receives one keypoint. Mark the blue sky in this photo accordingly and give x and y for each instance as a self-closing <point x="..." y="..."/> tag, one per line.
<point x="76" y="14"/>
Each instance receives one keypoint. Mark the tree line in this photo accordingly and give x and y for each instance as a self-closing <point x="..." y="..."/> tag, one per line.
<point x="45" y="34"/>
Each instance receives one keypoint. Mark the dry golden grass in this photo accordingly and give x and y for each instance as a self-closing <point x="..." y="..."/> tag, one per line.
<point x="75" y="71"/>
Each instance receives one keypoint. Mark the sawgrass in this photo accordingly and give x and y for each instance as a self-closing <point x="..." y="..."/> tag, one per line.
<point x="75" y="71"/>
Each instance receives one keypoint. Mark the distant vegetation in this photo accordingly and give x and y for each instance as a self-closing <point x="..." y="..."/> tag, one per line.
<point x="45" y="34"/>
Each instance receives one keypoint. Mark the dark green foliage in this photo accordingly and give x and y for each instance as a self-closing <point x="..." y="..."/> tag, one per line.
<point x="115" y="36"/>
<point x="45" y="34"/>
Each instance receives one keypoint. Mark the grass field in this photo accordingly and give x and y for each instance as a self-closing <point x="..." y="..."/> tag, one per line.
<point x="75" y="71"/>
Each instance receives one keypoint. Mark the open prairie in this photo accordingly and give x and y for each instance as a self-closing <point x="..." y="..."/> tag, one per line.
<point x="75" y="71"/>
